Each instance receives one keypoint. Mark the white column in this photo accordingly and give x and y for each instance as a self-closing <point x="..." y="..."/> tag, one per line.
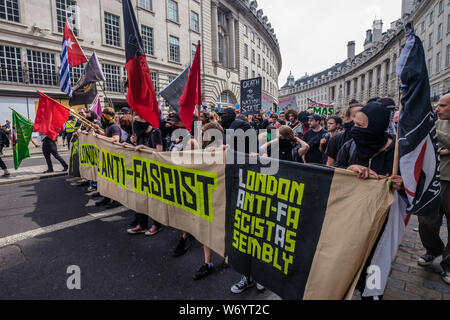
<point x="214" y="32"/>
<point x="232" y="44"/>
<point x="366" y="86"/>
<point x="383" y="78"/>
<point x="374" y="82"/>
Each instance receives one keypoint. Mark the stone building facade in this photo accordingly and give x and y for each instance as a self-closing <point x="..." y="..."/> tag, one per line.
<point x="372" y="72"/>
<point x="237" y="42"/>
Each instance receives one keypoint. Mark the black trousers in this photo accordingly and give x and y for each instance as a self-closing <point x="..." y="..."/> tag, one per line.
<point x="49" y="148"/>
<point x="429" y="229"/>
<point x="142" y="220"/>
<point x="69" y="139"/>
<point x="2" y="164"/>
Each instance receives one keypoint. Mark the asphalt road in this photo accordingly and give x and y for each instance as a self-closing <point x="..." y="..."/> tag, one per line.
<point x="113" y="264"/>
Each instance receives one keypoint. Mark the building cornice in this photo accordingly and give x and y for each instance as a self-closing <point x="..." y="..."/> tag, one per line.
<point x="249" y="9"/>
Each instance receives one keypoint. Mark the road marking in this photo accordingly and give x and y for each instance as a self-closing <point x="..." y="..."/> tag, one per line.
<point x="7" y="241"/>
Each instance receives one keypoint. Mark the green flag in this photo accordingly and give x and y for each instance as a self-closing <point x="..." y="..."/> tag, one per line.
<point x="22" y="130"/>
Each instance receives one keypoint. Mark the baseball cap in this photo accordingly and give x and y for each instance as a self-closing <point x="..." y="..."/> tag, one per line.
<point x="315" y="117"/>
<point x="174" y="118"/>
<point x="125" y="110"/>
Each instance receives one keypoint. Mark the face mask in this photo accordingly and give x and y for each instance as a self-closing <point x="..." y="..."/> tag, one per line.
<point x="348" y="126"/>
<point x="368" y="144"/>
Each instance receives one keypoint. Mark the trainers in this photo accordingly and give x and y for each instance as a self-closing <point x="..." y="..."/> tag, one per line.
<point x="48" y="171"/>
<point x="137" y="230"/>
<point x="260" y="287"/>
<point x="90" y="189"/>
<point x="182" y="247"/>
<point x="96" y="195"/>
<point x="445" y="276"/>
<point x="426" y="260"/>
<point x="205" y="270"/>
<point x="153" y="230"/>
<point x="242" y="285"/>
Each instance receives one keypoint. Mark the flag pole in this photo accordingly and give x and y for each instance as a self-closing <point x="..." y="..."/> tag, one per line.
<point x="395" y="168"/>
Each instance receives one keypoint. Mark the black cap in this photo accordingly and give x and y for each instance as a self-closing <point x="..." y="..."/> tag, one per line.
<point x="174" y="118"/>
<point x="229" y="111"/>
<point x="125" y="110"/>
<point x="315" y="117"/>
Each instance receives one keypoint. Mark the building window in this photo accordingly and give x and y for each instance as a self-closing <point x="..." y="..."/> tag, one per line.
<point x="112" y="75"/>
<point x="430" y="40"/>
<point x="10" y="64"/>
<point x="245" y="30"/>
<point x="447" y="62"/>
<point x="246" y="73"/>
<point x="253" y="36"/>
<point x="246" y="51"/>
<point x="155" y="81"/>
<point x="448" y="23"/>
<point x="439" y="35"/>
<point x="253" y="74"/>
<point x="147" y="38"/>
<point x="64" y="10"/>
<point x="423" y="26"/>
<point x="430" y="65"/>
<point x="259" y="60"/>
<point x="264" y="64"/>
<point x="42" y="68"/>
<point x="221" y="49"/>
<point x="195" y="25"/>
<point x="225" y="98"/>
<point x="174" y="49"/>
<point x="253" y="55"/>
<point x="146" y="4"/>
<point x="441" y="6"/>
<point x="431" y="17"/>
<point x="173" y="11"/>
<point x="112" y="30"/>
<point x="75" y="73"/>
<point x="9" y="10"/>
<point x="193" y="51"/>
<point x="171" y="77"/>
<point x="438" y="62"/>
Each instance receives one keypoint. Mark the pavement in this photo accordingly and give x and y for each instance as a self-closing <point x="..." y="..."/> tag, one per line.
<point x="46" y="235"/>
<point x="32" y="168"/>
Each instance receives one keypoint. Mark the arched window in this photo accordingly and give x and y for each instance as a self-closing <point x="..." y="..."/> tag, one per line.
<point x="227" y="98"/>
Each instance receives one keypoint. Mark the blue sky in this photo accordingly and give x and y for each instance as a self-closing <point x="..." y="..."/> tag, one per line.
<point x="313" y="35"/>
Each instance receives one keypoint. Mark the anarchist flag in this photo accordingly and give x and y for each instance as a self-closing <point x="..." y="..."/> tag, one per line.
<point x="141" y="93"/>
<point x="418" y="145"/>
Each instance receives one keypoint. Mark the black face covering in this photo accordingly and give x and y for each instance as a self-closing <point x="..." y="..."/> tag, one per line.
<point x="226" y="121"/>
<point x="367" y="143"/>
<point x="105" y="122"/>
<point x="140" y="128"/>
<point x="348" y="126"/>
<point x="370" y="140"/>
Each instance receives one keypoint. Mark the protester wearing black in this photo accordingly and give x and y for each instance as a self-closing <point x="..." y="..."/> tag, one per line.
<point x="147" y="136"/>
<point x="4" y="142"/>
<point x="4" y="139"/>
<point x="337" y="142"/>
<point x="112" y="131"/>
<point x="371" y="151"/>
<point x="313" y="138"/>
<point x="230" y="124"/>
<point x="49" y="148"/>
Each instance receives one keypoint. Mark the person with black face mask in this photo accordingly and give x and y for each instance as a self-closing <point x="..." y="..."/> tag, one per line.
<point x="337" y="142"/>
<point x="371" y="150"/>
<point x="228" y="121"/>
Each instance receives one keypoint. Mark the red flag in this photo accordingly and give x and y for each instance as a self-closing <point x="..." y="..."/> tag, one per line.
<point x="141" y="94"/>
<point x="50" y="117"/>
<point x="192" y="94"/>
<point x="74" y="51"/>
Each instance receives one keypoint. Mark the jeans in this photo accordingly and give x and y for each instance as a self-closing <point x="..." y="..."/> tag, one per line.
<point x="429" y="229"/>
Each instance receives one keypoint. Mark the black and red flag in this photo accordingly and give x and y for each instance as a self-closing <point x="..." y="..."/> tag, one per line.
<point x="141" y="93"/>
<point x="418" y="145"/>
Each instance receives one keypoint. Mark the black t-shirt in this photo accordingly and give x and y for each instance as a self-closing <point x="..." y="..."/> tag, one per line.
<point x="113" y="130"/>
<point x="313" y="140"/>
<point x="155" y="138"/>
